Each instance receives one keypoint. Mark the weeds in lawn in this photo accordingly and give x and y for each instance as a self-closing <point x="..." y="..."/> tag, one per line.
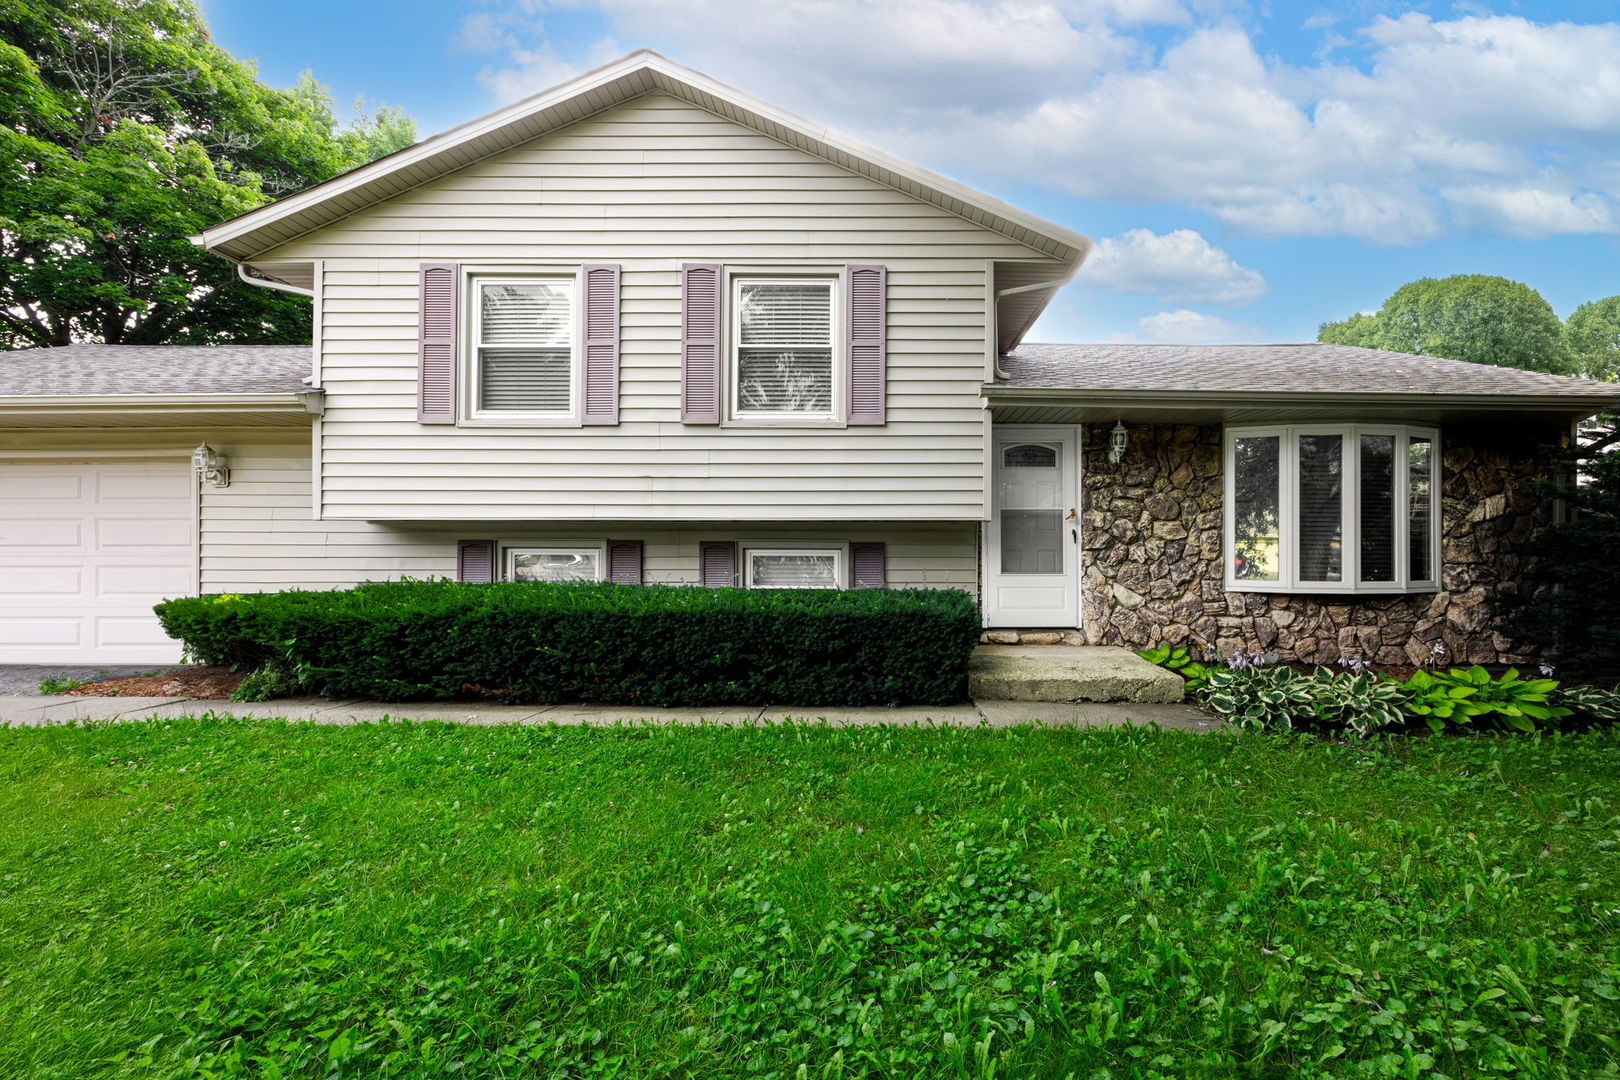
<point x="225" y="899"/>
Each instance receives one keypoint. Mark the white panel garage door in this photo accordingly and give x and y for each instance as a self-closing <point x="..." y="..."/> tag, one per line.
<point x="85" y="551"/>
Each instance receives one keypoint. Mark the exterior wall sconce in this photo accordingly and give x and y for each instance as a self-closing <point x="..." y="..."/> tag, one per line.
<point x="210" y="466"/>
<point x="1118" y="440"/>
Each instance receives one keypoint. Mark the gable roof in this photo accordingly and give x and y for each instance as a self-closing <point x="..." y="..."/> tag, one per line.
<point x="149" y="370"/>
<point x="643" y="71"/>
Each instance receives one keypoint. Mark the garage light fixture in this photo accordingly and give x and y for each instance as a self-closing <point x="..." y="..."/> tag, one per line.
<point x="210" y="466"/>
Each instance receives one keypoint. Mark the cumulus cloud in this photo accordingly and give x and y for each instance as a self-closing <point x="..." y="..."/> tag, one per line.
<point x="1187" y="327"/>
<point x="1400" y="129"/>
<point x="1180" y="267"/>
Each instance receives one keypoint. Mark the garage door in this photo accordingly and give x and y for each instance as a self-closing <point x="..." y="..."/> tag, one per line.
<point x="85" y="551"/>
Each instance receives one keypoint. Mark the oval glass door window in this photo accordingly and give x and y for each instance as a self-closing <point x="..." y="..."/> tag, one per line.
<point x="1030" y="456"/>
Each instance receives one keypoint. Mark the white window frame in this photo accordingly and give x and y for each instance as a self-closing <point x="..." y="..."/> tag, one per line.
<point x="510" y="550"/>
<point x="1288" y="580"/>
<point x="472" y="341"/>
<point x="835" y="286"/>
<point x="839" y="552"/>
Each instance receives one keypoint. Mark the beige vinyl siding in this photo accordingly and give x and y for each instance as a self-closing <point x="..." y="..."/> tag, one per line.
<point x="649" y="185"/>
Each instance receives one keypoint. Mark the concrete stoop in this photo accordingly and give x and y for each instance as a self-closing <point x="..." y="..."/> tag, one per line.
<point x="1102" y="673"/>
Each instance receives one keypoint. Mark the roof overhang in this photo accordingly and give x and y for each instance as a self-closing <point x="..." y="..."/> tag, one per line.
<point x="248" y="235"/>
<point x="160" y="410"/>
<point x="1047" y="405"/>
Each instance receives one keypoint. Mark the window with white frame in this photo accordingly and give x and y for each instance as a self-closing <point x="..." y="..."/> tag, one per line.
<point x="554" y="564"/>
<point x="782" y="355"/>
<point x="1332" y="508"/>
<point x="793" y="568"/>
<point x="523" y="331"/>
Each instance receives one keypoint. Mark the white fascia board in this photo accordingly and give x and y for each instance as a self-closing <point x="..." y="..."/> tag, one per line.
<point x="152" y="402"/>
<point x="682" y="77"/>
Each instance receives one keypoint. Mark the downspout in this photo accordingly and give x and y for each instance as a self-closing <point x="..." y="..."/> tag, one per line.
<point x="266" y="283"/>
<point x="1014" y="291"/>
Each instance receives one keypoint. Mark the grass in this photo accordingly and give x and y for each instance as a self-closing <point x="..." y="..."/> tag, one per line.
<point x="219" y="898"/>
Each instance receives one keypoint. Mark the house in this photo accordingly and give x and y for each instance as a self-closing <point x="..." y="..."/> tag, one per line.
<point x="643" y="327"/>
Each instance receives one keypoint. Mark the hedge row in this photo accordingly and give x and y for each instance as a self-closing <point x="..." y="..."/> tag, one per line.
<point x="617" y="644"/>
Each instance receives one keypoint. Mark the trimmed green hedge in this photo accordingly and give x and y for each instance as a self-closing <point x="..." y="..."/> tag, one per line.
<point x="618" y="644"/>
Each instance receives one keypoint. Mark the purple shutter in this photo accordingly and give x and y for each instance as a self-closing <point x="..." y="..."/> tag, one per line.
<point x="601" y="344"/>
<point x="866" y="566"/>
<point x="624" y="562"/>
<point x="702" y="285"/>
<point x="717" y="563"/>
<point x="867" y="318"/>
<point x="475" y="561"/>
<point x="436" y="349"/>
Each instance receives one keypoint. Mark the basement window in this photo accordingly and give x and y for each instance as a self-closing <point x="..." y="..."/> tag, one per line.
<point x="1325" y="508"/>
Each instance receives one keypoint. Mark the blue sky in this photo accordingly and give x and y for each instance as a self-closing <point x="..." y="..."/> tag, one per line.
<point x="1249" y="170"/>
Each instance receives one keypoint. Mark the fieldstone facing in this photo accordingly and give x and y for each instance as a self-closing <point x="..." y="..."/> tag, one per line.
<point x="1152" y="564"/>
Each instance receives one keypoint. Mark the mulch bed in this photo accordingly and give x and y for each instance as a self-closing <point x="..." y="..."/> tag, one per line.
<point x="195" y="682"/>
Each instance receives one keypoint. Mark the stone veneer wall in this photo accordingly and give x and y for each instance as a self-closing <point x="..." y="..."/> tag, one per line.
<point x="1153" y="563"/>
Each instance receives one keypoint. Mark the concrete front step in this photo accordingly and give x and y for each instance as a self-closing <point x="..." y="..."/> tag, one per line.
<point x="1068" y="673"/>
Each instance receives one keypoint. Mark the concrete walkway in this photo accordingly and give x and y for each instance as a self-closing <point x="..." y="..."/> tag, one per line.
<point x="38" y="711"/>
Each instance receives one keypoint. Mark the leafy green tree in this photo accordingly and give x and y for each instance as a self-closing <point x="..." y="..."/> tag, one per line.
<point x="1475" y="317"/>
<point x="1594" y="336"/>
<point x="123" y="130"/>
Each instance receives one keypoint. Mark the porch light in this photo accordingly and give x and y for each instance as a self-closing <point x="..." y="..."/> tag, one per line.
<point x="210" y="466"/>
<point x="1118" y="440"/>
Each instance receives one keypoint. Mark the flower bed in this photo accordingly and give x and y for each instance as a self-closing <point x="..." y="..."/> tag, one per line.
<point x="1249" y="691"/>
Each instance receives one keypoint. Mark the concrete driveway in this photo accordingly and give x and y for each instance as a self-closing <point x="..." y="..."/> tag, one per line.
<point x="24" y="679"/>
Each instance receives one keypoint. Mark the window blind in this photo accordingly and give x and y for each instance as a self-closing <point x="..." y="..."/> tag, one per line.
<point x="1321" y="507"/>
<point x="776" y="570"/>
<point x="784" y="348"/>
<point x="525" y="351"/>
<point x="1420" y="502"/>
<point x="1378" y="508"/>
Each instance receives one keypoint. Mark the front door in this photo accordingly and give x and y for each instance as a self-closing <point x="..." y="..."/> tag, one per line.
<point x="1032" y="544"/>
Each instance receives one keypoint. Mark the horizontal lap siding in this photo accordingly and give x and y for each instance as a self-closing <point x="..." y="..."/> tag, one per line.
<point x="257" y="535"/>
<point x="650" y="185"/>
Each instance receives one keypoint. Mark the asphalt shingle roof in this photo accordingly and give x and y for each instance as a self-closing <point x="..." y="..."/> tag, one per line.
<point x="1311" y="367"/>
<point x="86" y="370"/>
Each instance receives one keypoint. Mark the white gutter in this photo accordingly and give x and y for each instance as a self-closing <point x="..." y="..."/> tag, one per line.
<point x="169" y="402"/>
<point x="266" y="283"/>
<point x="1016" y="289"/>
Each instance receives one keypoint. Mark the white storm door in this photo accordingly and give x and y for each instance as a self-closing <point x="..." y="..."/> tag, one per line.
<point x="85" y="551"/>
<point x="1032" y="544"/>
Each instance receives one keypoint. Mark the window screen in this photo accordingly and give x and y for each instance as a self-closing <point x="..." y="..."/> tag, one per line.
<point x="793" y="569"/>
<point x="555" y="564"/>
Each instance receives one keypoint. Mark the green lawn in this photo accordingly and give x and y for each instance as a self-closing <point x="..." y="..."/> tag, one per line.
<point x="226" y="898"/>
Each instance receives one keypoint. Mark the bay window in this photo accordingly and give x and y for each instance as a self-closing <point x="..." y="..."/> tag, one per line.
<point x="1332" y="508"/>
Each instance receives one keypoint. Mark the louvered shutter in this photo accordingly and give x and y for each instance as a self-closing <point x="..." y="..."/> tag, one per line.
<point x="866" y="566"/>
<point x="601" y="344"/>
<point x="436" y="347"/>
<point x="867" y="343"/>
<point x="475" y="561"/>
<point x="701" y="287"/>
<point x="717" y="563"/>
<point x="624" y="562"/>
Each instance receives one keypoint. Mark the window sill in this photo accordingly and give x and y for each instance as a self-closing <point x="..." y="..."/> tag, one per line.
<point x="1329" y="591"/>
<point x="781" y="422"/>
<point x="520" y="420"/>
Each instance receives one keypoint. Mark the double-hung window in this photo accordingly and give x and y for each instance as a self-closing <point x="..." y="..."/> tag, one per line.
<point x="783" y="351"/>
<point x="523" y="338"/>
<point x="1332" y="508"/>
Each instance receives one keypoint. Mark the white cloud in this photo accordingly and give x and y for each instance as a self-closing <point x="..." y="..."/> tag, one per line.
<point x="1178" y="267"/>
<point x="1186" y="327"/>
<point x="1400" y="130"/>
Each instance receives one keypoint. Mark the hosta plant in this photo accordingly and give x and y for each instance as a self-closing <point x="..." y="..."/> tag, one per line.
<point x="1283" y="698"/>
<point x="1521" y="704"/>
<point x="1179" y="660"/>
